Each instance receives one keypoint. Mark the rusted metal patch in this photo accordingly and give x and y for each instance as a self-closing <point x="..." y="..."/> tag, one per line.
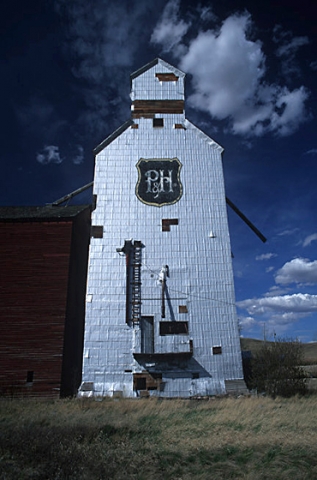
<point x="166" y="77"/>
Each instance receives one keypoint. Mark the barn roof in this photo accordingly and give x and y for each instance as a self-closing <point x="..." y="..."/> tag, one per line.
<point x="37" y="214"/>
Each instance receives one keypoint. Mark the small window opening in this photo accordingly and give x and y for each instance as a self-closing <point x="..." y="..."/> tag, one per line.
<point x="173" y="328"/>
<point x="182" y="309"/>
<point x="216" y="350"/>
<point x="158" y="122"/>
<point x="29" y="376"/>
<point x="195" y="375"/>
<point x="97" y="231"/>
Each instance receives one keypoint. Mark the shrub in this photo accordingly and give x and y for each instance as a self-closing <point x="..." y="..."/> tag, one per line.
<point x="276" y="369"/>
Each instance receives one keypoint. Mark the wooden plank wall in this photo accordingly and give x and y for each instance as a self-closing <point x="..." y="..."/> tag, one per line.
<point x="144" y="108"/>
<point x="34" y="263"/>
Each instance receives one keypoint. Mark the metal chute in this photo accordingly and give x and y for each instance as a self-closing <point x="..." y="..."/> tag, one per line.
<point x="246" y="220"/>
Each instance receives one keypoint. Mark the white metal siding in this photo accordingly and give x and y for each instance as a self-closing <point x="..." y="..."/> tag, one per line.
<point x="200" y="270"/>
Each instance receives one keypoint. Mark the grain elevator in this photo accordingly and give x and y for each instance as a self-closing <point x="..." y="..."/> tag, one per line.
<point x="160" y="303"/>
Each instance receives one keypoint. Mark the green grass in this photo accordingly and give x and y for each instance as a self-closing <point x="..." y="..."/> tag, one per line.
<point x="159" y="439"/>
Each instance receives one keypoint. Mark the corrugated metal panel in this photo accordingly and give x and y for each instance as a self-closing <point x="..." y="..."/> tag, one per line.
<point x="147" y="86"/>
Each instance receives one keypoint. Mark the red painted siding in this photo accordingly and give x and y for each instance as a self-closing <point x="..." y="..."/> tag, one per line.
<point x="34" y="266"/>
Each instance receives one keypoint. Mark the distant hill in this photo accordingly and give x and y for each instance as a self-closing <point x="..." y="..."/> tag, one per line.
<point x="310" y="349"/>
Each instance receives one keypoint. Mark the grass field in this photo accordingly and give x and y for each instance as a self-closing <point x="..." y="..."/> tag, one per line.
<point x="249" y="438"/>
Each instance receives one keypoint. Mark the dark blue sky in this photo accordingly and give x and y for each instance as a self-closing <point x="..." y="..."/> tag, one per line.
<point x="251" y="85"/>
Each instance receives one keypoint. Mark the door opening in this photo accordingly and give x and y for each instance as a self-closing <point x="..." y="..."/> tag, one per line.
<point x="147" y="334"/>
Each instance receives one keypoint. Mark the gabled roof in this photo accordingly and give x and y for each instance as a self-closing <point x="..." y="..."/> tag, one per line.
<point x="130" y="122"/>
<point x="203" y="135"/>
<point x="149" y="65"/>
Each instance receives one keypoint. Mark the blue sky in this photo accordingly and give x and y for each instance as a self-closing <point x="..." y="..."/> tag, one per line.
<point x="251" y="85"/>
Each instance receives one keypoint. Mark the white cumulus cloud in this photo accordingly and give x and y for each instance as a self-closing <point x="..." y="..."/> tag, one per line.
<point x="298" y="270"/>
<point x="228" y="71"/>
<point x="246" y="323"/>
<point x="278" y="312"/>
<point x="296" y="303"/>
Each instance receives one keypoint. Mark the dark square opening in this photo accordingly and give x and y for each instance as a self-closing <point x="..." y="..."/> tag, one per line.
<point x="167" y="222"/>
<point x="217" y="350"/>
<point x="182" y="309"/>
<point x="97" y="231"/>
<point x="173" y="328"/>
<point x="140" y="383"/>
<point x="158" y="122"/>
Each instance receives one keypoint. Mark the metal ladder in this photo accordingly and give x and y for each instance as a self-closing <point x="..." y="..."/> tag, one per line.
<point x="136" y="283"/>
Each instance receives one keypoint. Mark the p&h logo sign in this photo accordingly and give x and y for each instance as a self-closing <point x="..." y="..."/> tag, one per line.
<point x="159" y="181"/>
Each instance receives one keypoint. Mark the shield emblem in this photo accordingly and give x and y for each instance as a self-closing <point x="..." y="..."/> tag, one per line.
<point x="159" y="181"/>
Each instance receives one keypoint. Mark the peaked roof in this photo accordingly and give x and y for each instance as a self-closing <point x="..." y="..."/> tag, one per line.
<point x="113" y="136"/>
<point x="130" y="122"/>
<point x="154" y="62"/>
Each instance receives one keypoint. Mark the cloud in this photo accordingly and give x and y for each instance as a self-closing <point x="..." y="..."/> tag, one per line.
<point x="287" y="50"/>
<point x="78" y="158"/>
<point x="298" y="270"/>
<point x="308" y="240"/>
<point x="288" y="232"/>
<point x="269" y="269"/>
<point x="246" y="323"/>
<point x="313" y="151"/>
<point x="265" y="256"/>
<point x="228" y="72"/>
<point x="290" y="47"/>
<point x="206" y="14"/>
<point x="103" y="43"/>
<point x="296" y="303"/>
<point x="49" y="154"/>
<point x="276" y="291"/>
<point x="313" y="65"/>
<point x="278" y="312"/>
<point x="170" y="30"/>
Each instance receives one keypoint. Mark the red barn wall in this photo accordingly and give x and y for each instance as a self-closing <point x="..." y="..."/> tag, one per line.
<point x="34" y="266"/>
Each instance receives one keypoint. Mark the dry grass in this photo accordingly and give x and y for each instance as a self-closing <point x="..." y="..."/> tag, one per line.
<point x="250" y="438"/>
